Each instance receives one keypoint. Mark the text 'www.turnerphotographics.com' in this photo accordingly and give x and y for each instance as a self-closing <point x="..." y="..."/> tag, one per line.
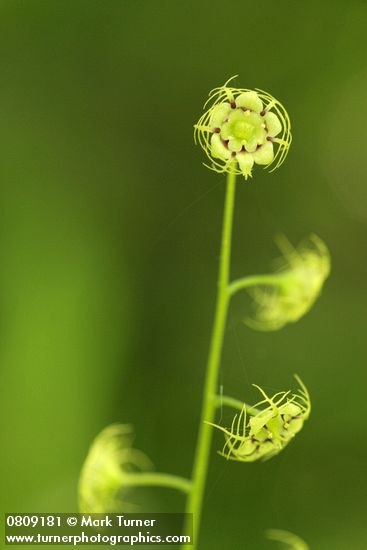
<point x="108" y="529"/>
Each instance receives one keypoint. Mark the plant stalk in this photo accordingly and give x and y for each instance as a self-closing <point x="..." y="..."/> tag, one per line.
<point x="278" y="280"/>
<point x="155" y="479"/>
<point x="209" y="403"/>
<point x="226" y="401"/>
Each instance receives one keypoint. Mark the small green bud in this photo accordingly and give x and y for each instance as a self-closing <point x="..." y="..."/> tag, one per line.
<point x="266" y="433"/>
<point x="298" y="284"/>
<point x="288" y="540"/>
<point x="104" y="480"/>
<point x="241" y="128"/>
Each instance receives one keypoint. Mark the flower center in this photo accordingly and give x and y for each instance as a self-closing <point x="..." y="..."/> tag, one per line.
<point x="243" y="130"/>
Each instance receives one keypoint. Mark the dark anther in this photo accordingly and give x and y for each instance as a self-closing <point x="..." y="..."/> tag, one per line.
<point x="233" y="104"/>
<point x="258" y="146"/>
<point x="233" y="154"/>
<point x="269" y="138"/>
<point x="217" y="130"/>
<point x="263" y="113"/>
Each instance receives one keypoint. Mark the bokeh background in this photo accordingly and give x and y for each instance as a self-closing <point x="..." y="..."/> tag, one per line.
<point x="109" y="240"/>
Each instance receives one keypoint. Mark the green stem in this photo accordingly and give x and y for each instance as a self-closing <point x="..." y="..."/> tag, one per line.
<point x="200" y="469"/>
<point x="235" y="404"/>
<point x="254" y="280"/>
<point x="153" y="479"/>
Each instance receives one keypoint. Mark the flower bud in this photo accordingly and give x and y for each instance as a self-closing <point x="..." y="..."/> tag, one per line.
<point x="266" y="433"/>
<point x="241" y="128"/>
<point x="104" y="480"/>
<point x="298" y="284"/>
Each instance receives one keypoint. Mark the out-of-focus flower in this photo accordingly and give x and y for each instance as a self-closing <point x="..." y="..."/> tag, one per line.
<point x="288" y="540"/>
<point x="265" y="434"/>
<point x="111" y="461"/>
<point x="242" y="127"/>
<point x="296" y="286"/>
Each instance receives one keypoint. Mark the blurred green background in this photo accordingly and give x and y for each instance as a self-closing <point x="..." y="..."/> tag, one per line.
<point x="110" y="231"/>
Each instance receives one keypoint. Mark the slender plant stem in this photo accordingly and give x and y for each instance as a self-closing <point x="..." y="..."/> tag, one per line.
<point x="200" y="469"/>
<point x="225" y="400"/>
<point x="254" y="280"/>
<point x="155" y="479"/>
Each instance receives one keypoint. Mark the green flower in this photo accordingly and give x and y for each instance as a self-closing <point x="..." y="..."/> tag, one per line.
<point x="110" y="463"/>
<point x="241" y="128"/>
<point x="266" y="433"/>
<point x="294" y="288"/>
